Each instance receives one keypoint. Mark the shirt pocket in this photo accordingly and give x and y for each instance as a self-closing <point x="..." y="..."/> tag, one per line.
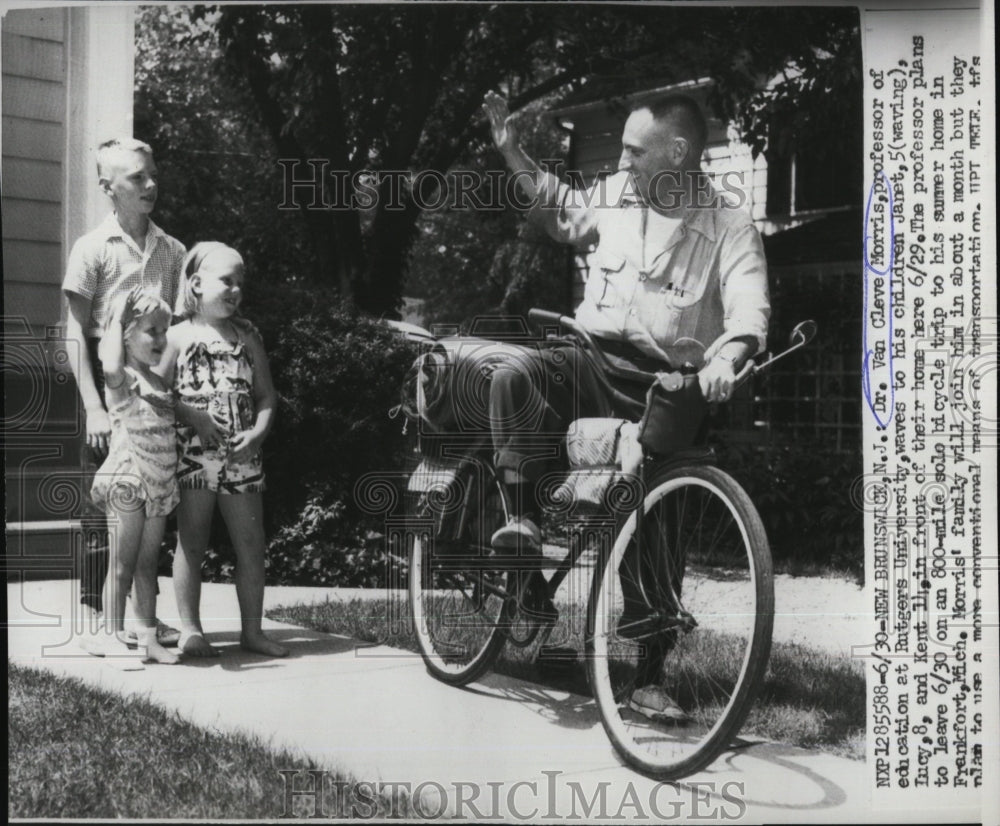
<point x="604" y="284"/>
<point x="673" y="303"/>
<point x="683" y="284"/>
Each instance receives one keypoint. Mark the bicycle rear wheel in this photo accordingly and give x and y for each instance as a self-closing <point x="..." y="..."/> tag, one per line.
<point x="690" y="614"/>
<point x="457" y="601"/>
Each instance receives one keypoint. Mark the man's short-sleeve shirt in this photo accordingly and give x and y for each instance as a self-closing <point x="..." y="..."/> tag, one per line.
<point x="106" y="262"/>
<point x="704" y="281"/>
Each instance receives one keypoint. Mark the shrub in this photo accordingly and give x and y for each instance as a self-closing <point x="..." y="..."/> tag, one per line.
<point x="325" y="547"/>
<point x="803" y="494"/>
<point x="337" y="375"/>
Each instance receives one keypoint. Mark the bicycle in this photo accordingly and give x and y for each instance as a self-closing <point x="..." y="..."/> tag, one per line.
<point x="682" y="598"/>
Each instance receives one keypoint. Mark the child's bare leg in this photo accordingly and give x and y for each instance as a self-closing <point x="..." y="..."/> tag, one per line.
<point x="244" y="515"/>
<point x="145" y="592"/>
<point x="194" y="522"/>
<point x="125" y="528"/>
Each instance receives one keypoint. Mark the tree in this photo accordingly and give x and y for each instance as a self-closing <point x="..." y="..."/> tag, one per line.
<point x="224" y="94"/>
<point x="218" y="174"/>
<point x="398" y="87"/>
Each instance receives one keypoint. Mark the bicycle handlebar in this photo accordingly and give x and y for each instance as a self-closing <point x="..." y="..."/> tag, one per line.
<point x="544" y="317"/>
<point x="801" y="335"/>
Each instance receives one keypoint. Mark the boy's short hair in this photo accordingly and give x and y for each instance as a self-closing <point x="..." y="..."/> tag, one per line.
<point x="109" y="147"/>
<point x="188" y="301"/>
<point x="686" y="115"/>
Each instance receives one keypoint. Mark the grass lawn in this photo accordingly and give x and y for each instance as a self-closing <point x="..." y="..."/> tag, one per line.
<point x="809" y="699"/>
<point x="78" y="752"/>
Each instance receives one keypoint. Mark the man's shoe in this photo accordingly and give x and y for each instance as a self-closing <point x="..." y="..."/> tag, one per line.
<point x="653" y="702"/>
<point x="520" y="533"/>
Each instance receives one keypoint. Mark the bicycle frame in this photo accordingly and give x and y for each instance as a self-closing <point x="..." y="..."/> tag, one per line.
<point x="550" y="322"/>
<point x="801" y="335"/>
<point x="467" y="601"/>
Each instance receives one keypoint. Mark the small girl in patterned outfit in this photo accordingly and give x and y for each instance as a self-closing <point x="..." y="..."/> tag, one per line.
<point x="218" y="367"/>
<point x="137" y="483"/>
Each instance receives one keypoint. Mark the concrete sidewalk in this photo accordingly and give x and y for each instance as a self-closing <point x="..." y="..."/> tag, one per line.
<point x="374" y="713"/>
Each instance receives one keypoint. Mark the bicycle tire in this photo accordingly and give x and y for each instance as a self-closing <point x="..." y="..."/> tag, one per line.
<point x="459" y="615"/>
<point x="705" y="643"/>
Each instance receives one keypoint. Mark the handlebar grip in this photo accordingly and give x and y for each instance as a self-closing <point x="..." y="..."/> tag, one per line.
<point x="545" y="317"/>
<point x="746" y="371"/>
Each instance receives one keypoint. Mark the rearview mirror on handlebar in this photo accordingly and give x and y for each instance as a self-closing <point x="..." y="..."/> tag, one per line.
<point x="803" y="333"/>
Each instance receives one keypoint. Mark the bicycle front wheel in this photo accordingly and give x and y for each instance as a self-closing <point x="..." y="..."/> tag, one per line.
<point x="680" y="623"/>
<point x="457" y="600"/>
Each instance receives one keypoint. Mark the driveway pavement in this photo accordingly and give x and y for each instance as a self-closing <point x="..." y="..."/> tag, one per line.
<point x="502" y="748"/>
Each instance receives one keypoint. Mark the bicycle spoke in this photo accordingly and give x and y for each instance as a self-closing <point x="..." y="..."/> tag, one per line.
<point x="457" y="603"/>
<point x="699" y="576"/>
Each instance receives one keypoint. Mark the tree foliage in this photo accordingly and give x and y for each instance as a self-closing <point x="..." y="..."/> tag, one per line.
<point x="398" y="87"/>
<point x="224" y="93"/>
<point x="218" y="177"/>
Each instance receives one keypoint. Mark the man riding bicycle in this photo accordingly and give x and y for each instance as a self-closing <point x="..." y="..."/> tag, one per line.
<point x="677" y="277"/>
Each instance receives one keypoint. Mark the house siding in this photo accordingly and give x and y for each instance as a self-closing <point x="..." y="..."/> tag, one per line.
<point x="34" y="148"/>
<point x="67" y="76"/>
